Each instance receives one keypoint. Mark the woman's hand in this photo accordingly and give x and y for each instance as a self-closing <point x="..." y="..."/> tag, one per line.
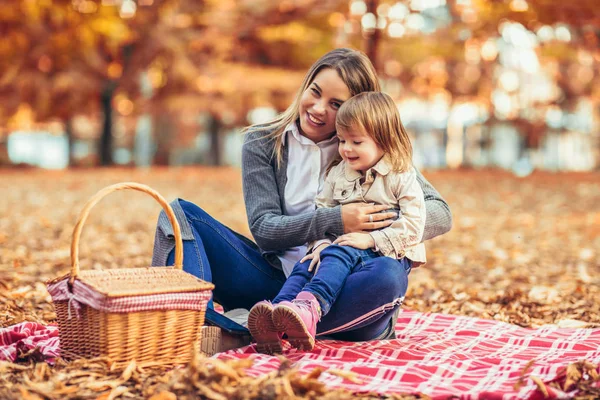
<point x="315" y="257"/>
<point x="357" y="240"/>
<point x="356" y="217"/>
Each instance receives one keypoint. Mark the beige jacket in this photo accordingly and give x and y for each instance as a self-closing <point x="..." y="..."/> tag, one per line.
<point x="399" y="191"/>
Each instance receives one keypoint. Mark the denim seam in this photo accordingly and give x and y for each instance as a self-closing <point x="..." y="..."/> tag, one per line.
<point x="198" y="255"/>
<point x="207" y="223"/>
<point x="381" y="310"/>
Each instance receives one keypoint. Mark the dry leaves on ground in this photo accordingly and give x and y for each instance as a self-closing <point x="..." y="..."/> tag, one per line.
<point x="524" y="251"/>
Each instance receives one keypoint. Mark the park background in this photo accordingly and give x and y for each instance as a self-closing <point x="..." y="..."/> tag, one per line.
<point x="504" y="83"/>
<point x="501" y="99"/>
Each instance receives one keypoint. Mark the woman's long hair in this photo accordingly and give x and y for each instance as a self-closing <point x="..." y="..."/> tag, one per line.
<point x="378" y="115"/>
<point x="355" y="70"/>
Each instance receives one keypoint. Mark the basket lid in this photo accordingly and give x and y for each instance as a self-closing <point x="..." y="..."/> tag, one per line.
<point x="140" y="281"/>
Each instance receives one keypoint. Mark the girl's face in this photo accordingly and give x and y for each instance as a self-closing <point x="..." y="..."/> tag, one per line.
<point x="358" y="149"/>
<point x="319" y="105"/>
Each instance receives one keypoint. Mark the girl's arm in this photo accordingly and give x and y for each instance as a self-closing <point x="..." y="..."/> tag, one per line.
<point x="408" y="229"/>
<point x="439" y="218"/>
<point x="271" y="229"/>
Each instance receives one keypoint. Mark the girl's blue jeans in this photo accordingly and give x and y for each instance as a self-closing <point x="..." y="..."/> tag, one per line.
<point x="372" y="291"/>
<point x="337" y="263"/>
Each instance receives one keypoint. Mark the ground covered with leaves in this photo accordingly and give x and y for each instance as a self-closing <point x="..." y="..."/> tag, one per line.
<point x="522" y="250"/>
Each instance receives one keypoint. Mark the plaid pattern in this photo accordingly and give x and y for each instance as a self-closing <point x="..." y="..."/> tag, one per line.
<point x="438" y="355"/>
<point x="27" y="336"/>
<point x="83" y="294"/>
<point x="445" y="355"/>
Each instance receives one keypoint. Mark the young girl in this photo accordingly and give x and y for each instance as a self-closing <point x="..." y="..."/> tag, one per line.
<point x="375" y="168"/>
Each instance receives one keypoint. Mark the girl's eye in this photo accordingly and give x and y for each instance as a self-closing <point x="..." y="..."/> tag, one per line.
<point x="342" y="141"/>
<point x="315" y="91"/>
<point x="357" y="143"/>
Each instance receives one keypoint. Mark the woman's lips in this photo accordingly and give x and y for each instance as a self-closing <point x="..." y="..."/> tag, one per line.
<point x="314" y="121"/>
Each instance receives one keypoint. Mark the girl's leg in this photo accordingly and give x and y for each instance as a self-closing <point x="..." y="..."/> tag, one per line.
<point x="371" y="294"/>
<point x="215" y="253"/>
<point x="294" y="284"/>
<point x="298" y="318"/>
<point x="260" y="319"/>
<point x="337" y="262"/>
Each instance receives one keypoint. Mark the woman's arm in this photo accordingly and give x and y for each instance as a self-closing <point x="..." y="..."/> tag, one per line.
<point x="270" y="228"/>
<point x="439" y="218"/>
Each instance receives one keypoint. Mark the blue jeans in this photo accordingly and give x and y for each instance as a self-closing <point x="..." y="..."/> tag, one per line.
<point x="337" y="263"/>
<point x="242" y="277"/>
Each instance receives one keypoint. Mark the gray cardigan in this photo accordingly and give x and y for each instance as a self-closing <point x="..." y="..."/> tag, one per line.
<point x="273" y="230"/>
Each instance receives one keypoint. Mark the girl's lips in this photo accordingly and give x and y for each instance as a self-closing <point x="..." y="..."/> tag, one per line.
<point x="314" y="121"/>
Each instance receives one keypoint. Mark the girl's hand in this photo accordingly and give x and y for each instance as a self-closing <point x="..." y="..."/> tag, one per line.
<point x="315" y="257"/>
<point x="357" y="240"/>
<point x="355" y="217"/>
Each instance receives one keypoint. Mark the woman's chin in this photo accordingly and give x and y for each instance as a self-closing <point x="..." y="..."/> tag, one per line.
<point x="314" y="133"/>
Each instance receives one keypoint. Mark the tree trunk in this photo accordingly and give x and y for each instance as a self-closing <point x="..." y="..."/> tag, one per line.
<point x="69" y="133"/>
<point x="106" y="137"/>
<point x="163" y="139"/>
<point x="372" y="38"/>
<point x="214" y="128"/>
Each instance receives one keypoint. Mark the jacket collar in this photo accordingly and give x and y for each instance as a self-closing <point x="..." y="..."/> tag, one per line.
<point x="382" y="167"/>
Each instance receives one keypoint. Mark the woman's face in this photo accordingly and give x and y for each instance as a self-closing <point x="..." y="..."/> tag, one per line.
<point x="319" y="105"/>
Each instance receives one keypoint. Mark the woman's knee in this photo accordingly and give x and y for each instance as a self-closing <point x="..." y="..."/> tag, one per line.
<point x="391" y="276"/>
<point x="192" y="210"/>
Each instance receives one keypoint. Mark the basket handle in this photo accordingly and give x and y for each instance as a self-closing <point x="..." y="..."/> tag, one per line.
<point x="113" y="188"/>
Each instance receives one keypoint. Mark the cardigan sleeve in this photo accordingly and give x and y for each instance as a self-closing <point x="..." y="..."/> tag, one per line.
<point x="271" y="229"/>
<point x="439" y="218"/>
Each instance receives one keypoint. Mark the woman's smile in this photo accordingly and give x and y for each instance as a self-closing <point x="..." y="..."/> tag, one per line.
<point x="314" y="120"/>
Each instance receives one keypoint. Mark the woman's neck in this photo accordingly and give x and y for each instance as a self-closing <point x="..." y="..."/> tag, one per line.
<point x="316" y="139"/>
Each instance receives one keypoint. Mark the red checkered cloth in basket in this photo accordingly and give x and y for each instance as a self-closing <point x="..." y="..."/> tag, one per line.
<point x="443" y="356"/>
<point x="26" y="336"/>
<point x="83" y="294"/>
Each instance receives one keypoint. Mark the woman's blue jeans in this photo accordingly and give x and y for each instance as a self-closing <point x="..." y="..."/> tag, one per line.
<point x="371" y="293"/>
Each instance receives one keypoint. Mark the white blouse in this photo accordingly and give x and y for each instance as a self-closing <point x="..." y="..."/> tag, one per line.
<point x="307" y="164"/>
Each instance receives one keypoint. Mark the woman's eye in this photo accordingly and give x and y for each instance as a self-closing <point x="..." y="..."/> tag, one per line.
<point x="336" y="106"/>
<point x="315" y="91"/>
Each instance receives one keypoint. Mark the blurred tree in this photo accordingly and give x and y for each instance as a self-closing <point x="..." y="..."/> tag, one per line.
<point x="71" y="57"/>
<point x="225" y="57"/>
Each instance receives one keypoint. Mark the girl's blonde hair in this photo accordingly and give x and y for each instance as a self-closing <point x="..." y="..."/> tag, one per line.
<point x="377" y="115"/>
<point x="355" y="70"/>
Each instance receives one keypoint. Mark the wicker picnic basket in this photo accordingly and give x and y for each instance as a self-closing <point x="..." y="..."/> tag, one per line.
<point x="152" y="315"/>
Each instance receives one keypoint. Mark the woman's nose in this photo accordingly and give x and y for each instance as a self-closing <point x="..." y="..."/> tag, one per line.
<point x="319" y="108"/>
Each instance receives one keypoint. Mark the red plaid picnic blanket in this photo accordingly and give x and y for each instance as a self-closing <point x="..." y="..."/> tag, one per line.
<point x="27" y="336"/>
<point x="445" y="356"/>
<point x="438" y="355"/>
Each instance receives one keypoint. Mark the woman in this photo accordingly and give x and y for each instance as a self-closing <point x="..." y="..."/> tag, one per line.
<point x="283" y="167"/>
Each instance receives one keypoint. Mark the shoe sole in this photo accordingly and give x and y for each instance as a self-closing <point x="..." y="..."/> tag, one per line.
<point x="262" y="329"/>
<point x="286" y="320"/>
